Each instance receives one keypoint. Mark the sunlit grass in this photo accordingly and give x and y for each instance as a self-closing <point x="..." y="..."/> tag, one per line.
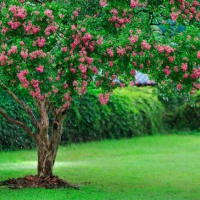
<point x="156" y="167"/>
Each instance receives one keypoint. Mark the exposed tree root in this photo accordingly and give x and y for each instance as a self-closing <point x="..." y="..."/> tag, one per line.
<point x="32" y="181"/>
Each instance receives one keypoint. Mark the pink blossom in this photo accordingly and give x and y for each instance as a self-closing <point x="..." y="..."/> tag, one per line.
<point x="3" y="58"/>
<point x="24" y="53"/>
<point x="41" y="41"/>
<point x="48" y="13"/>
<point x="40" y="68"/>
<point x="83" y="68"/>
<point x="75" y="83"/>
<point x="64" y="49"/>
<point x="14" y="25"/>
<point x="133" y="39"/>
<point x="103" y="98"/>
<point x="110" y="52"/>
<point x="12" y="50"/>
<point x="57" y="78"/>
<point x="176" y="68"/>
<point x="184" y="67"/>
<point x="37" y="12"/>
<point x="120" y="51"/>
<point x="145" y="45"/>
<point x="65" y="86"/>
<point x="133" y="72"/>
<point x="95" y="70"/>
<point x="89" y="60"/>
<point x="66" y="96"/>
<point x="134" y="3"/>
<point x="167" y="70"/>
<point x="179" y="87"/>
<point x="103" y="3"/>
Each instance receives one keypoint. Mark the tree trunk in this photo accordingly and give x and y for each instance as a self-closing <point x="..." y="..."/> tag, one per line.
<point x="45" y="160"/>
<point x="48" y="147"/>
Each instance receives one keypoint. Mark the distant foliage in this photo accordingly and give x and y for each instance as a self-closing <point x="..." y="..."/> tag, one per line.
<point x="13" y="137"/>
<point x="130" y="112"/>
<point x="182" y="115"/>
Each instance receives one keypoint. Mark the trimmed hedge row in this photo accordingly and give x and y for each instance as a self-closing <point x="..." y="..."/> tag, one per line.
<point x="13" y="137"/>
<point x="130" y="112"/>
<point x="183" y="116"/>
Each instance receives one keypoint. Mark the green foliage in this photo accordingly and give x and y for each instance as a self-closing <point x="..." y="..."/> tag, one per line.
<point x="13" y="137"/>
<point x="128" y="113"/>
<point x="182" y="115"/>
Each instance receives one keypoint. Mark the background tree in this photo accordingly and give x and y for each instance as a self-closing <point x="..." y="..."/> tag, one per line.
<point x="56" y="49"/>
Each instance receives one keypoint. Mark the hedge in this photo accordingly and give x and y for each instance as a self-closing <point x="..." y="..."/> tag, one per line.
<point x="130" y="112"/>
<point x="181" y="115"/>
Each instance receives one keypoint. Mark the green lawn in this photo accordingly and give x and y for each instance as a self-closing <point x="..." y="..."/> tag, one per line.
<point x="147" y="168"/>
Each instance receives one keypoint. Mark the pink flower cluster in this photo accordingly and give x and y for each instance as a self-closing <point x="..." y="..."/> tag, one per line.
<point x="51" y="28"/>
<point x="18" y="12"/>
<point x="121" y="51"/>
<point x="22" y="78"/>
<point x="145" y="45"/>
<point x="184" y="67"/>
<point x="37" y="92"/>
<point x="3" y="58"/>
<point x="118" y="21"/>
<point x="103" y="3"/>
<point x="133" y="39"/>
<point x="24" y="53"/>
<point x="41" y="41"/>
<point x="195" y="74"/>
<point x="14" y="25"/>
<point x="40" y="68"/>
<point x="110" y="52"/>
<point x="134" y="3"/>
<point x="48" y="13"/>
<point x="167" y="70"/>
<point x="103" y="98"/>
<point x="36" y="54"/>
<point x="187" y="10"/>
<point x="30" y="28"/>
<point x="12" y="50"/>
<point x="167" y="48"/>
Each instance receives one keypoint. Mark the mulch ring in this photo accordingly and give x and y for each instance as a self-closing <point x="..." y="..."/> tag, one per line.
<point x="32" y="181"/>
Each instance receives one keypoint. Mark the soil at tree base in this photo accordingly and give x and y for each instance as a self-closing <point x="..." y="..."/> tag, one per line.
<point x="33" y="181"/>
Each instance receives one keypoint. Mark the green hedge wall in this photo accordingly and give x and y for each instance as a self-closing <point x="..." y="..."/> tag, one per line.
<point x="13" y="137"/>
<point x="130" y="112"/>
<point x="180" y="115"/>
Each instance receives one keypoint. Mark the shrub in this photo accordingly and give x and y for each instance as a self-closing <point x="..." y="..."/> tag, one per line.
<point x="128" y="113"/>
<point x="14" y="137"/>
<point x="180" y="115"/>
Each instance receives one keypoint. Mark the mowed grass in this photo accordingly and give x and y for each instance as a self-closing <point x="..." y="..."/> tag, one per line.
<point x="147" y="168"/>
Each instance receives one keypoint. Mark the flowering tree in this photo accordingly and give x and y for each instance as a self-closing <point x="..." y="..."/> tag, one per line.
<point x="55" y="50"/>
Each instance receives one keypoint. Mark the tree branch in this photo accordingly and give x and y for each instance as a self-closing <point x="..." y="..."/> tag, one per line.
<point x="18" y="123"/>
<point x="25" y="106"/>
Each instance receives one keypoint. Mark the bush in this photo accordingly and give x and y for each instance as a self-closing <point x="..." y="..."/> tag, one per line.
<point x="180" y="115"/>
<point x="128" y="113"/>
<point x="13" y="137"/>
<point x="188" y="115"/>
